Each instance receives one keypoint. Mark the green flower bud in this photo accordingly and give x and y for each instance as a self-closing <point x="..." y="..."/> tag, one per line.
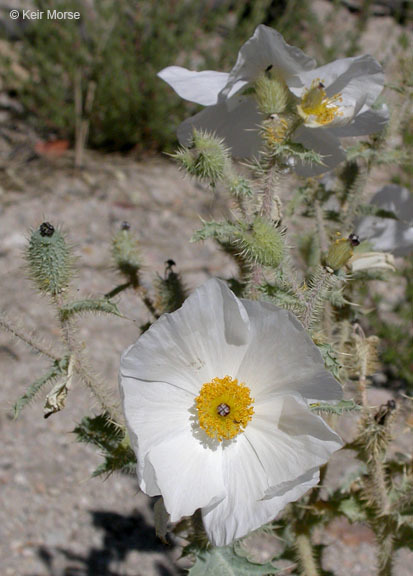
<point x="50" y="259"/>
<point x="264" y="243"/>
<point x="126" y="252"/>
<point x="341" y="251"/>
<point x="272" y="95"/>
<point x="206" y="159"/>
<point x="211" y="156"/>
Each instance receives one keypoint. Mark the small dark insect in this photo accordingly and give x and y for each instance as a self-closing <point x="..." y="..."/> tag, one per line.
<point x="384" y="412"/>
<point x="354" y="239"/>
<point x="223" y="409"/>
<point x="268" y="68"/>
<point x="46" y="229"/>
<point x="125" y="225"/>
<point x="321" y="85"/>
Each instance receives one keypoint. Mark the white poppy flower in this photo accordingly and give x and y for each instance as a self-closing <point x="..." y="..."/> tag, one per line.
<point x="387" y="234"/>
<point x="334" y="100"/>
<point x="216" y="397"/>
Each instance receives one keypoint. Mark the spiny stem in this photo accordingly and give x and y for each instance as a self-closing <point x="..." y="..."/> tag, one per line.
<point x="322" y="234"/>
<point x="26" y="338"/>
<point x="321" y="283"/>
<point x="79" y="363"/>
<point x="270" y="179"/>
<point x="305" y="555"/>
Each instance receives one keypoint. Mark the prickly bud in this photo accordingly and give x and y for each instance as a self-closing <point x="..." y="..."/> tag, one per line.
<point x="263" y="243"/>
<point x="126" y="253"/>
<point x="170" y="290"/>
<point x="206" y="159"/>
<point x="271" y="95"/>
<point x="340" y="252"/>
<point x="50" y="259"/>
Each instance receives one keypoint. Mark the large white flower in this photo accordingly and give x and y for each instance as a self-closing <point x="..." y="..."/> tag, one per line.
<point x="335" y="100"/>
<point x="395" y="236"/>
<point x="216" y="402"/>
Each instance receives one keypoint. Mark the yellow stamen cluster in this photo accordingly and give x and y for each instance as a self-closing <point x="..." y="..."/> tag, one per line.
<point x="316" y="107"/>
<point x="224" y="408"/>
<point x="275" y="130"/>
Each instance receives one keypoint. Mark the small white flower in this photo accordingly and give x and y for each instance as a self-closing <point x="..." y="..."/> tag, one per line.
<point x="334" y="100"/>
<point x="387" y="234"/>
<point x="216" y="402"/>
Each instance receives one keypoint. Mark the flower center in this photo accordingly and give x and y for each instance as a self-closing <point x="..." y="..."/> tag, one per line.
<point x="224" y="408"/>
<point x="316" y="107"/>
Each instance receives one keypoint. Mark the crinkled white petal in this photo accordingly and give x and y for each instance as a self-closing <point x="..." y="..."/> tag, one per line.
<point x="266" y="48"/>
<point x="188" y="473"/>
<point x="204" y="339"/>
<point x="359" y="80"/>
<point x="289" y="439"/>
<point x="367" y="121"/>
<point x="388" y="234"/>
<point x="200" y="87"/>
<point x="171" y="459"/>
<point x="282" y="357"/>
<point x="154" y="411"/>
<point x="236" y="120"/>
<point x="323" y="141"/>
<point x="246" y="508"/>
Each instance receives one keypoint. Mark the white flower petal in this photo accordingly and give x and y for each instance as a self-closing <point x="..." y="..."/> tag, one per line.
<point x="154" y="411"/>
<point x="289" y="442"/>
<point x="265" y="48"/>
<point x="246" y="507"/>
<point x="387" y="234"/>
<point x="238" y="125"/>
<point x="325" y="143"/>
<point x="282" y="357"/>
<point x="204" y="339"/>
<point x="189" y="474"/>
<point x="359" y="80"/>
<point x="366" y="122"/>
<point x="200" y="87"/>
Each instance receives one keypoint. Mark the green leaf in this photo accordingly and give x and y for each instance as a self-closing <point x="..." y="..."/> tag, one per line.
<point x="58" y="368"/>
<point x="352" y="510"/>
<point x="339" y="408"/>
<point x="223" y="561"/>
<point x="330" y="359"/>
<point x="112" y="440"/>
<point x="88" y="305"/>
<point x="219" y="230"/>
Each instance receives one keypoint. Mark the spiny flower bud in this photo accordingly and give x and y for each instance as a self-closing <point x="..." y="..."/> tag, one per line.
<point x="263" y="243"/>
<point x="271" y="95"/>
<point x="170" y="290"/>
<point x="211" y="156"/>
<point x="341" y="251"/>
<point x="206" y="159"/>
<point x="50" y="259"/>
<point x="126" y="253"/>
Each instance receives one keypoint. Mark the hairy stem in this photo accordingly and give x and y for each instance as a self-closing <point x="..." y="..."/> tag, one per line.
<point x="27" y="338"/>
<point x="312" y="301"/>
<point x="80" y="364"/>
<point x="305" y="555"/>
